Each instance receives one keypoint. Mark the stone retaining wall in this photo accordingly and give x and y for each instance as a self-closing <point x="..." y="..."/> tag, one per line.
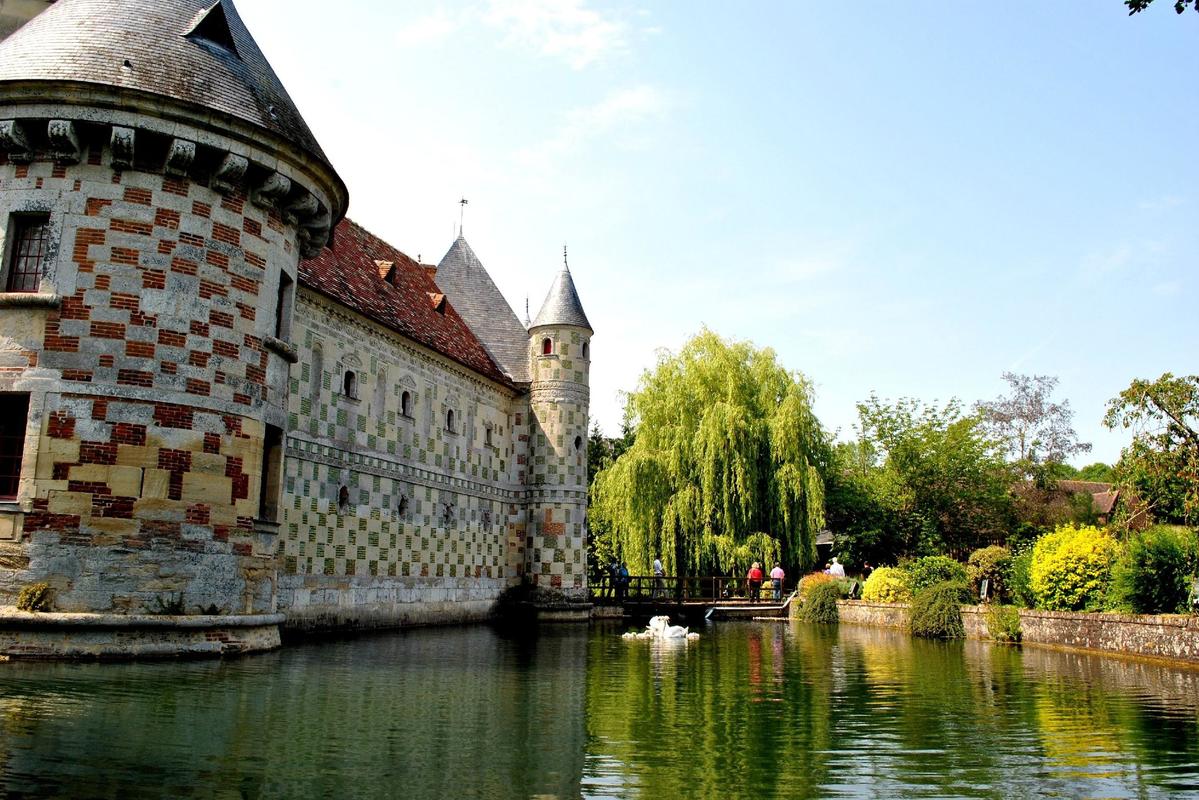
<point x="1169" y="636"/>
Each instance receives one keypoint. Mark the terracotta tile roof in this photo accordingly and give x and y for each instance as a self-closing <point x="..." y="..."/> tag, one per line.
<point x="399" y="296"/>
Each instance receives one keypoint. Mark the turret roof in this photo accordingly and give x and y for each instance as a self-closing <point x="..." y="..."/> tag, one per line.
<point x="562" y="305"/>
<point x="463" y="277"/>
<point x="194" y="51"/>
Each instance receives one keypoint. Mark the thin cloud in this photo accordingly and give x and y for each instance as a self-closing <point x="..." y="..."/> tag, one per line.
<point x="428" y="30"/>
<point x="565" y="29"/>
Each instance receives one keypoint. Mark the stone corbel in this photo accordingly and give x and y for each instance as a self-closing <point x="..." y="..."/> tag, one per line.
<point x="15" y="142"/>
<point x="229" y="175"/>
<point x="314" y="234"/>
<point x="180" y="157"/>
<point x="303" y="208"/>
<point x="271" y="191"/>
<point x="64" y="141"/>
<point x="121" y="145"/>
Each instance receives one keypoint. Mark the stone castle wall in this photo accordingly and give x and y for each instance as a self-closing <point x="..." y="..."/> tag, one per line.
<point x="150" y="364"/>
<point x="431" y="525"/>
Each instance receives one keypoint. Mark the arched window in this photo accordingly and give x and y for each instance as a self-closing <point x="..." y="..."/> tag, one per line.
<point x="406" y="404"/>
<point x="343" y="499"/>
<point x="349" y="384"/>
<point x="578" y="443"/>
<point x="449" y="420"/>
<point x="586" y="349"/>
<point x="547" y="346"/>
<point x="403" y="507"/>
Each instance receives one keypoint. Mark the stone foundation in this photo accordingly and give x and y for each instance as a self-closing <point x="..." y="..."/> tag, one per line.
<point x="121" y="637"/>
<point x="1167" y="636"/>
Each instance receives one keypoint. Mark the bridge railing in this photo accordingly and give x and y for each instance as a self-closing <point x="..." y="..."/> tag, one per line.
<point x="686" y="589"/>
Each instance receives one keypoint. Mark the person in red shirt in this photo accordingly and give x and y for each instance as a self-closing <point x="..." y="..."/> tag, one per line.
<point x="755" y="582"/>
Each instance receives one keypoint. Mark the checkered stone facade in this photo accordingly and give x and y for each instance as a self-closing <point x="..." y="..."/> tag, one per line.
<point x="556" y="543"/>
<point x="392" y="517"/>
<point x="149" y="357"/>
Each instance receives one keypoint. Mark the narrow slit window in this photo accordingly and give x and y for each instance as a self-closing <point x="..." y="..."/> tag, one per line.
<point x="586" y="350"/>
<point x="283" y="308"/>
<point x="272" y="469"/>
<point x="30" y="237"/>
<point x="343" y="499"/>
<point x="449" y="420"/>
<point x="406" y="404"/>
<point x="14" y="412"/>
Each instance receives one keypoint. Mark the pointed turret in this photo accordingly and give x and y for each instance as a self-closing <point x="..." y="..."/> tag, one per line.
<point x="562" y="305"/>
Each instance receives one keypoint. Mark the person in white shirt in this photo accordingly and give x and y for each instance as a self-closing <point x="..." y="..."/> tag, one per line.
<point x="837" y="570"/>
<point x="659" y="578"/>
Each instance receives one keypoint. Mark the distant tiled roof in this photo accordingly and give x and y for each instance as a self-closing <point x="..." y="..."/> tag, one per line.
<point x="1090" y="487"/>
<point x="462" y="276"/>
<point x="144" y="46"/>
<point x="400" y="296"/>
<point x="562" y="305"/>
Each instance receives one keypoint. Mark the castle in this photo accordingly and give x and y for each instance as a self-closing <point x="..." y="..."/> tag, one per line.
<point x="222" y="400"/>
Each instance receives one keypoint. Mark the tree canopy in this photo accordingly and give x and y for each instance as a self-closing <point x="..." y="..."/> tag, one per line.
<point x="1162" y="462"/>
<point x="1035" y="429"/>
<point x="725" y="467"/>
<point x="1137" y="6"/>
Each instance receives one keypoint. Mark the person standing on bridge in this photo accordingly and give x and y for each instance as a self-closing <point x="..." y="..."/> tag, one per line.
<point x="755" y="582"/>
<point x="659" y="578"/>
<point x="777" y="576"/>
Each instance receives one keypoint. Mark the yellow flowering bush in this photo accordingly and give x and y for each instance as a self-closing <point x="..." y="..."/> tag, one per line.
<point x="810" y="581"/>
<point x="887" y="585"/>
<point x="1071" y="568"/>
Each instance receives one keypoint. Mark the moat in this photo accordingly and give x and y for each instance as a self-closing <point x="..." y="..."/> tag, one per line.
<point x="749" y="710"/>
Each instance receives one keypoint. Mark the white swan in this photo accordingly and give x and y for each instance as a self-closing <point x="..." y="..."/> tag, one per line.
<point x="660" y="628"/>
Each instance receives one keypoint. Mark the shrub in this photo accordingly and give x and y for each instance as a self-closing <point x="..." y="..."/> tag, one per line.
<point x="994" y="565"/>
<point x="820" y="605"/>
<point x="1071" y="568"/>
<point x="809" y="582"/>
<point x="1152" y="575"/>
<point x="36" y="597"/>
<point x="1003" y="623"/>
<point x="1020" y="579"/>
<point x="936" y="611"/>
<point x="887" y="585"/>
<point x="931" y="570"/>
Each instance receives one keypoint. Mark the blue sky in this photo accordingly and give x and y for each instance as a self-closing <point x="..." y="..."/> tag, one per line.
<point x="900" y="198"/>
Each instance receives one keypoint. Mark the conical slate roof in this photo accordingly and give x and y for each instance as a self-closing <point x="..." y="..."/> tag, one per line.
<point x="477" y="299"/>
<point x="562" y="305"/>
<point x="194" y="51"/>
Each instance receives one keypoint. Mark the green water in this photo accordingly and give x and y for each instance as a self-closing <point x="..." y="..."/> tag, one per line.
<point x="750" y="710"/>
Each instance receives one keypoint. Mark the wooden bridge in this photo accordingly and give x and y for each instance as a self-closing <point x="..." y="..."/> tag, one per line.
<point x="713" y="597"/>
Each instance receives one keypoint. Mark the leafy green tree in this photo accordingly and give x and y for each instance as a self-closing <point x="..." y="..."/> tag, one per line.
<point x="1035" y="429"/>
<point x="602" y="451"/>
<point x="942" y="476"/>
<point x="1099" y="472"/>
<point x="1137" y="6"/>
<point x="725" y="467"/>
<point x="861" y="507"/>
<point x="1162" y="463"/>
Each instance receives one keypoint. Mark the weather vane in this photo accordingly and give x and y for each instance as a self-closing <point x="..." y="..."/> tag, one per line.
<point x="461" y="213"/>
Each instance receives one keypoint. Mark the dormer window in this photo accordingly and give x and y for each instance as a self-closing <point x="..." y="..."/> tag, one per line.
<point x="212" y="27"/>
<point x="349" y="384"/>
<point x="547" y="346"/>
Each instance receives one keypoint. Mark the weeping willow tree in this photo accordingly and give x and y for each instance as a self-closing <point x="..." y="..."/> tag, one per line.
<point x="725" y="468"/>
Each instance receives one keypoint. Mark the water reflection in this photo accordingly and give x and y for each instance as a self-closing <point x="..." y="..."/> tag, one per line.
<point x="750" y="710"/>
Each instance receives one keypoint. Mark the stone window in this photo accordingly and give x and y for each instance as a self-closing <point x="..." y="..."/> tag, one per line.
<point x="447" y="514"/>
<point x="449" y="421"/>
<point x="406" y="404"/>
<point x="578" y="444"/>
<point x="318" y="377"/>
<point x="586" y="349"/>
<point x="547" y="346"/>
<point x="272" y="470"/>
<point x="487" y="435"/>
<point x="14" y="411"/>
<point x="402" y="508"/>
<point x="343" y="499"/>
<point x="29" y="237"/>
<point x="349" y="384"/>
<point x="283" y="307"/>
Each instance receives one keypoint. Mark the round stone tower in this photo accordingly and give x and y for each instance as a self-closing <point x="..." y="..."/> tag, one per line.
<point x="559" y="395"/>
<point x="158" y="188"/>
